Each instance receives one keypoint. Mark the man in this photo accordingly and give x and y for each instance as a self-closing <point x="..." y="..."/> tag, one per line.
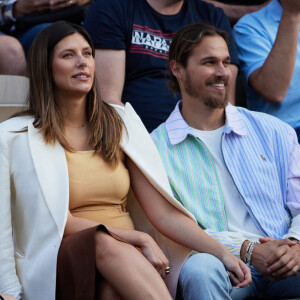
<point x="25" y="19"/>
<point x="269" y="51"/>
<point x="132" y="39"/>
<point x="237" y="171"/>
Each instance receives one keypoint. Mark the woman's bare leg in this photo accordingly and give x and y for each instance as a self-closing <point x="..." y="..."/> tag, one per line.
<point x="127" y="270"/>
<point x="107" y="292"/>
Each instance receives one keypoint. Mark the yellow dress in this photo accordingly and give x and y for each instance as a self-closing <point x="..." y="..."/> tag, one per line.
<point x="98" y="191"/>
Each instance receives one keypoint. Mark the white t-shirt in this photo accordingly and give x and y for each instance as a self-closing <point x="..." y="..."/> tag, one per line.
<point x="238" y="217"/>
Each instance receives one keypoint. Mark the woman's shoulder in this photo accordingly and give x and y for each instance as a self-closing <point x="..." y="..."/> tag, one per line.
<point x="15" y="124"/>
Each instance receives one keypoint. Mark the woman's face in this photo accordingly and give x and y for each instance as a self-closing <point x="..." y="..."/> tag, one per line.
<point x="73" y="67"/>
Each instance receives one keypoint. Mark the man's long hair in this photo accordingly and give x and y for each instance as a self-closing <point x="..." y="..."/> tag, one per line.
<point x="184" y="42"/>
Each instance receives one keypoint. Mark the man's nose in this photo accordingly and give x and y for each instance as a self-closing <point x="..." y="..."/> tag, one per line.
<point x="222" y="70"/>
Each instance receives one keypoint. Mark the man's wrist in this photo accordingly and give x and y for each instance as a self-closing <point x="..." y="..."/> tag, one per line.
<point x="294" y="240"/>
<point x="249" y="251"/>
<point x="243" y="249"/>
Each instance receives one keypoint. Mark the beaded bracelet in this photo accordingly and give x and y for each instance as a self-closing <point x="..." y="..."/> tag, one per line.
<point x="249" y="251"/>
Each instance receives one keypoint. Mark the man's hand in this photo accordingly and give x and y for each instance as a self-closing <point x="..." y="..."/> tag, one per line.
<point x="285" y="262"/>
<point x="30" y="7"/>
<point x="292" y="7"/>
<point x="57" y="4"/>
<point x="272" y="251"/>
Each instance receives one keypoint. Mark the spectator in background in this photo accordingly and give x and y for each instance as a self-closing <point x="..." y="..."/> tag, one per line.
<point x="24" y="19"/>
<point x="237" y="171"/>
<point x="269" y="50"/>
<point x="132" y="39"/>
<point x="234" y="10"/>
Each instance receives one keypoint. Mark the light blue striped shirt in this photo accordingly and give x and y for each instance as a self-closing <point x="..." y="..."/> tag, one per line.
<point x="262" y="155"/>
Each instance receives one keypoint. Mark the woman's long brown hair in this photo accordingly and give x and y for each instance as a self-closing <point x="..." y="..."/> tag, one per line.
<point x="105" y="124"/>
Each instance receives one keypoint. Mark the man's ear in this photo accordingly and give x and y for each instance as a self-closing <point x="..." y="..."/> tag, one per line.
<point x="175" y="68"/>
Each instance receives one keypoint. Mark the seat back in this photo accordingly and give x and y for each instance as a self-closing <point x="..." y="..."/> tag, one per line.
<point x="13" y="94"/>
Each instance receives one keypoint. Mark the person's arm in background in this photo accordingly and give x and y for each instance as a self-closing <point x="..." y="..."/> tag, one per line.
<point x="272" y="80"/>
<point x="110" y="72"/>
<point x="106" y="22"/>
<point x="235" y="11"/>
<point x="29" y="7"/>
<point x="269" y="67"/>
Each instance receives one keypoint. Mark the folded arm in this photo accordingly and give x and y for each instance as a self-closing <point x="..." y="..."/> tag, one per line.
<point x="272" y="80"/>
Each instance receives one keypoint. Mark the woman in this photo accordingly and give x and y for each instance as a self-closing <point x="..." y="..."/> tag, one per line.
<point x="63" y="171"/>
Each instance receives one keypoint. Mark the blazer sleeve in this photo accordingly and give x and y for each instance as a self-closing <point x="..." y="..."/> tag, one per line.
<point x="9" y="281"/>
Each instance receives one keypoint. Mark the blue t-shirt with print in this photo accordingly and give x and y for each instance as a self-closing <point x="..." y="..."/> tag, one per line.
<point x="145" y="34"/>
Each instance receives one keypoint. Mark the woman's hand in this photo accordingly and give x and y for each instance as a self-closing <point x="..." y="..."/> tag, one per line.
<point x="8" y="297"/>
<point x="239" y="272"/>
<point x="154" y="254"/>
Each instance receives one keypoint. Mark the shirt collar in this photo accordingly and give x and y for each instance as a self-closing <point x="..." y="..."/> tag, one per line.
<point x="178" y="129"/>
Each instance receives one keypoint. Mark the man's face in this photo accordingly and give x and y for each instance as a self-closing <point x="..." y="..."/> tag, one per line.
<point x="207" y="72"/>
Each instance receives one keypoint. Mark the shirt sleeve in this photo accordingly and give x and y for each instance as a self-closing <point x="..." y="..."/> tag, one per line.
<point x="253" y="44"/>
<point x="233" y="241"/>
<point x="9" y="281"/>
<point x="293" y="186"/>
<point x="106" y="23"/>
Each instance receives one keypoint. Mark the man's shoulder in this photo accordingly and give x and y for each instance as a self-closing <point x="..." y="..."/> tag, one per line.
<point x="160" y="134"/>
<point x="264" y="122"/>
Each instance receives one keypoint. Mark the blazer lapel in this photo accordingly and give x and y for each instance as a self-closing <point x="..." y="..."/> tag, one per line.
<point x="138" y="145"/>
<point x="52" y="172"/>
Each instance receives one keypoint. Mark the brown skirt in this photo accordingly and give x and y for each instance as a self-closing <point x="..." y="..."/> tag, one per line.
<point x="77" y="277"/>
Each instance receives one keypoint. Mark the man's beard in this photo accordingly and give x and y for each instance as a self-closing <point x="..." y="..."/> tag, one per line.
<point x="212" y="101"/>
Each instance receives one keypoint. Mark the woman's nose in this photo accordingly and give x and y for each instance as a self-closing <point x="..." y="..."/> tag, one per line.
<point x="81" y="62"/>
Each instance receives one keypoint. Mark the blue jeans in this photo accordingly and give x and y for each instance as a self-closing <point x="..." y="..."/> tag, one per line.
<point x="203" y="276"/>
<point x="263" y="288"/>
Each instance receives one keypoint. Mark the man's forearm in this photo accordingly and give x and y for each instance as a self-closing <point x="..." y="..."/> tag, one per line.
<point x="273" y="79"/>
<point x="235" y="12"/>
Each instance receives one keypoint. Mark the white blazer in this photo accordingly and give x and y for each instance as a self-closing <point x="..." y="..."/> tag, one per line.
<point x="34" y="200"/>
